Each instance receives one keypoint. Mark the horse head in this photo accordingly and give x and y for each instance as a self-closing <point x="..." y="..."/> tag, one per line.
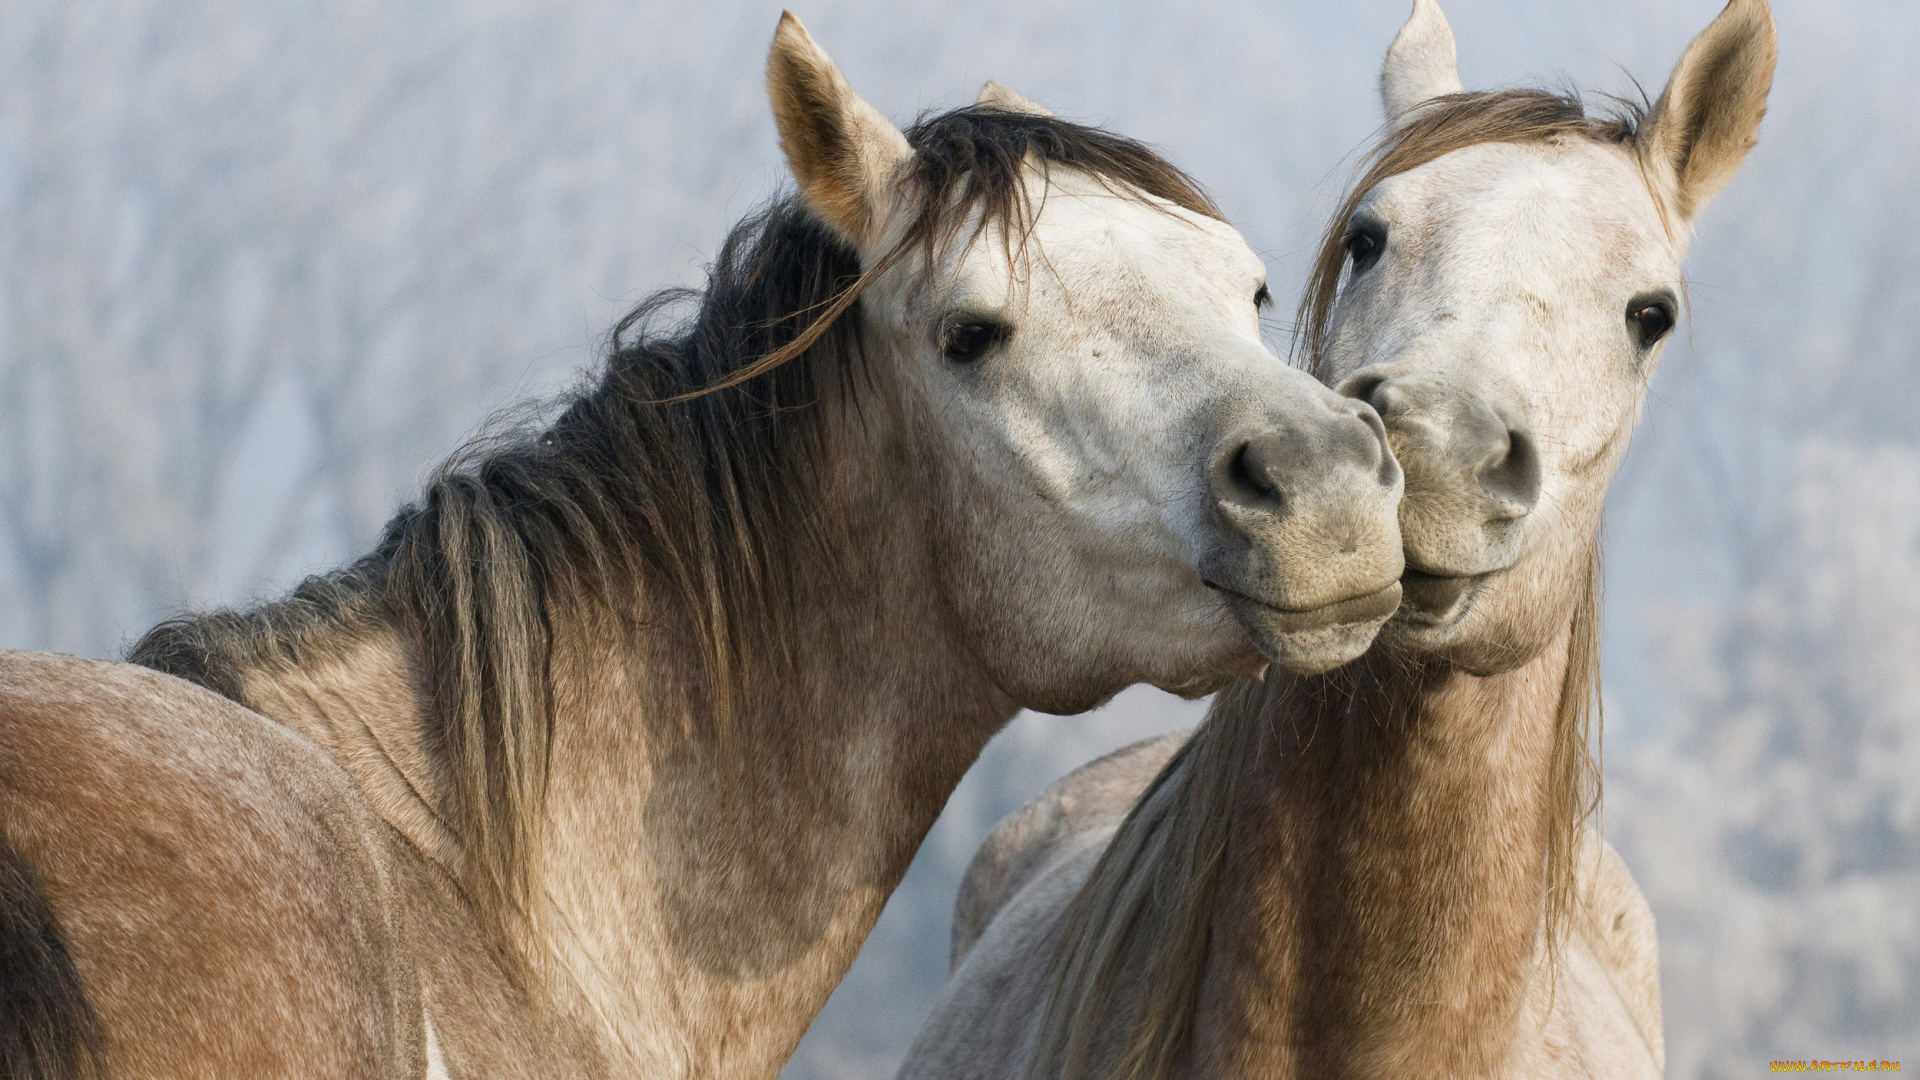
<point x="1499" y="287"/>
<point x="1123" y="483"/>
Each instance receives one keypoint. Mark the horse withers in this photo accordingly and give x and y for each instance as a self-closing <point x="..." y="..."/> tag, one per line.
<point x="604" y="761"/>
<point x="1384" y="870"/>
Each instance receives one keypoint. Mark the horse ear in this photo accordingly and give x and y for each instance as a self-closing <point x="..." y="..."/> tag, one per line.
<point x="1708" y="117"/>
<point x="1420" y="63"/>
<point x="844" y="153"/>
<point x="995" y="96"/>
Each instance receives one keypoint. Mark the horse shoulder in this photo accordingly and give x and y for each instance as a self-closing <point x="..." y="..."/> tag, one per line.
<point x="1619" y="930"/>
<point x="202" y="862"/>
<point x="1597" y="1005"/>
<point x="1593" y="1011"/>
<point x="1023" y="877"/>
<point x="986" y="1022"/>
<point x="1025" y="842"/>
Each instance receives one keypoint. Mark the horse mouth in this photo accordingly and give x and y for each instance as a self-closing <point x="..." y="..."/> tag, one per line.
<point x="1379" y="604"/>
<point x="1313" y="640"/>
<point x="1436" y="600"/>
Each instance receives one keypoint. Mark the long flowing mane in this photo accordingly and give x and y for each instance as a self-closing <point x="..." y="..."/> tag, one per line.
<point x="680" y="490"/>
<point x="1130" y="948"/>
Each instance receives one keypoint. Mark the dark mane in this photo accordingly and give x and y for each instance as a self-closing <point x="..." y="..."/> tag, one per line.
<point x="686" y="476"/>
<point x="977" y="157"/>
<point x="1436" y="128"/>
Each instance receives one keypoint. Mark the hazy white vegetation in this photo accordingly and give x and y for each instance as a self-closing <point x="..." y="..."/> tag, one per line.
<point x="260" y="264"/>
<point x="1775" y="819"/>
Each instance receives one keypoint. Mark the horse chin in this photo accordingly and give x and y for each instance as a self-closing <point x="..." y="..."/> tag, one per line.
<point x="1433" y="606"/>
<point x="1320" y="639"/>
<point x="1436" y="619"/>
<point x="1200" y="686"/>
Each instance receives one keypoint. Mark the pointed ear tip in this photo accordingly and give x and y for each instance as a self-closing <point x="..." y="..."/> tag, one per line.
<point x="1749" y="26"/>
<point x="1426" y="23"/>
<point x="1752" y="14"/>
<point x="791" y="32"/>
<point x="794" y="49"/>
<point x="998" y="95"/>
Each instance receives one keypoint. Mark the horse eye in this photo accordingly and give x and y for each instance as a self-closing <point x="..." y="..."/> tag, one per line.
<point x="968" y="341"/>
<point x="1651" y="321"/>
<point x="1364" y="246"/>
<point x="1262" y="298"/>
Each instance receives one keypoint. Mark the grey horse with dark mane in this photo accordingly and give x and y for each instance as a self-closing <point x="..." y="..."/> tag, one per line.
<point x="604" y="761"/>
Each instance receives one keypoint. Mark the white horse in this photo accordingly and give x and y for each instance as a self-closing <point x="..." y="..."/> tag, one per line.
<point x="1385" y="870"/>
<point x="605" y="760"/>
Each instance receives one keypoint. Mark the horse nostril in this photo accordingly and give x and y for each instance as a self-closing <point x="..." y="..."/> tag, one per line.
<point x="1513" y="478"/>
<point x="1247" y="474"/>
<point x="1271" y="472"/>
<point x="1366" y="386"/>
<point x="1388" y="470"/>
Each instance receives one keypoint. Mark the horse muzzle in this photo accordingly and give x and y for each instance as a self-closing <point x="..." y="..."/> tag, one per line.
<point x="1308" y="548"/>
<point x="1473" y="478"/>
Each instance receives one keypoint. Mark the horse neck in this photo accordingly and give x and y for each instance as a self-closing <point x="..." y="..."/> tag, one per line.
<point x="716" y="879"/>
<point x="687" y="869"/>
<point x="1381" y="905"/>
<point x="359" y="698"/>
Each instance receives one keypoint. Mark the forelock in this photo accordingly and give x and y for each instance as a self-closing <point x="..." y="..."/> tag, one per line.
<point x="975" y="163"/>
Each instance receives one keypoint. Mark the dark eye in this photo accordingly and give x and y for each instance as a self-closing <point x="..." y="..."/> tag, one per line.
<point x="968" y="341"/>
<point x="1262" y="298"/>
<point x="1365" y="243"/>
<point x="1651" y="320"/>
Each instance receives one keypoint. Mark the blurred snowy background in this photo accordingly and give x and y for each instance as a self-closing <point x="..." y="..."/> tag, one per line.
<point x="262" y="263"/>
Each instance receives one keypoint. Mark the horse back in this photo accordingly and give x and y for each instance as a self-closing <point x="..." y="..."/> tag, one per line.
<point x="219" y="890"/>
<point x="1097" y="795"/>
